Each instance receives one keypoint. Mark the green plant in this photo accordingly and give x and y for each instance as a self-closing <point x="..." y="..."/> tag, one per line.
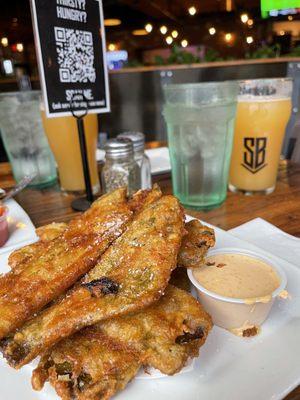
<point x="212" y="55"/>
<point x="295" y="52"/>
<point x="133" y="64"/>
<point x="265" y="51"/>
<point x="158" y="60"/>
<point x="179" y="56"/>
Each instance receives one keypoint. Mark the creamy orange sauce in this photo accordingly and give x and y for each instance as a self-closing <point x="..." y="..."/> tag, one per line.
<point x="238" y="276"/>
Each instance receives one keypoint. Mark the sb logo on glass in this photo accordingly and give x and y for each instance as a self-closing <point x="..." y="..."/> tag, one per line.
<point x="254" y="154"/>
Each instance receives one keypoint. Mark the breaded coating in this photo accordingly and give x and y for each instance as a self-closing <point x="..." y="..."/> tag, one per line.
<point x="51" y="231"/>
<point x="55" y="229"/>
<point x="195" y="244"/>
<point x="45" y="234"/>
<point x="88" y="365"/>
<point x="100" y="360"/>
<point x="194" y="247"/>
<point x="59" y="263"/>
<point x="132" y="274"/>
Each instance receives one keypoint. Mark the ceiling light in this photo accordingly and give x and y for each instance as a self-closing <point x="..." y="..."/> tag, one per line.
<point x="163" y="29"/>
<point x="112" y="22"/>
<point x="250" y="22"/>
<point x="19" y="47"/>
<point x="169" y="39"/>
<point x="4" y="42"/>
<point x="290" y="18"/>
<point x="281" y="33"/>
<point x="228" y="5"/>
<point x="184" y="43"/>
<point x="249" y="39"/>
<point x="111" y="47"/>
<point x="212" y="30"/>
<point x="228" y="37"/>
<point x="148" y="28"/>
<point x="244" y="18"/>
<point x="174" y="34"/>
<point x="140" y="32"/>
<point x="192" y="10"/>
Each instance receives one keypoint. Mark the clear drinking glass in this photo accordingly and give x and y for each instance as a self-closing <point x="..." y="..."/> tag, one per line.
<point x="263" y="111"/>
<point x="24" y="139"/>
<point x="200" y="122"/>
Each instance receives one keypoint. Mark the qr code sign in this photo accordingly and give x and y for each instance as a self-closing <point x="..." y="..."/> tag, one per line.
<point x="75" y="55"/>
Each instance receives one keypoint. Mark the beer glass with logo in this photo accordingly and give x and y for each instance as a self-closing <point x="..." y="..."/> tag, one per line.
<point x="263" y="111"/>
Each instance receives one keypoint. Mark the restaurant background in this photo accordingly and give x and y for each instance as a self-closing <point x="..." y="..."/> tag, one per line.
<point x="151" y="43"/>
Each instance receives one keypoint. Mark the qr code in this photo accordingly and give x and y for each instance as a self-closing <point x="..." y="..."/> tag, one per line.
<point x="75" y="55"/>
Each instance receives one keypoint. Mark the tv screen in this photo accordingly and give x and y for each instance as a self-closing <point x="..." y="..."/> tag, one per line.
<point x="274" y="8"/>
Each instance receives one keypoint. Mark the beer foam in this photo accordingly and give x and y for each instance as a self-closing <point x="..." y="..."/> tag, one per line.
<point x="260" y="99"/>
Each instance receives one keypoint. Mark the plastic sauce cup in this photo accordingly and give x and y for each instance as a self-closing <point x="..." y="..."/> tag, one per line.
<point x="234" y="313"/>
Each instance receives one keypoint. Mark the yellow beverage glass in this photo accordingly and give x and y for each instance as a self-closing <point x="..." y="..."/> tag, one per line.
<point x="63" y="139"/>
<point x="263" y="111"/>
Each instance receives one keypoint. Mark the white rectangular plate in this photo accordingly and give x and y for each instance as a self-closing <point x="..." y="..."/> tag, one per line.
<point x="229" y="368"/>
<point x="21" y="229"/>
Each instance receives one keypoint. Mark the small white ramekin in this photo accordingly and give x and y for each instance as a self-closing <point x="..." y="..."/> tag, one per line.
<point x="233" y="313"/>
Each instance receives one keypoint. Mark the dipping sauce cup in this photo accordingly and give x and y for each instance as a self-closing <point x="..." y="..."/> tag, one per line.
<point x="237" y="314"/>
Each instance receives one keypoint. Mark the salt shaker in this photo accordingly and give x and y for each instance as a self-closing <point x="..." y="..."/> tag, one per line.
<point x="141" y="158"/>
<point x="120" y="168"/>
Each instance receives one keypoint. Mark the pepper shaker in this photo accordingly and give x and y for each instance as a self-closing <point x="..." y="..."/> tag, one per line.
<point x="120" y="168"/>
<point x="138" y="140"/>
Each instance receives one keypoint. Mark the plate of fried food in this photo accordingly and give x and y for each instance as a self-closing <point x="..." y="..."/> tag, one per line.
<point x="102" y="308"/>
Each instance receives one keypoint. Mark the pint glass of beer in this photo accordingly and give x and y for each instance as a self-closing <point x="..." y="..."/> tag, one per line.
<point x="263" y="111"/>
<point x="63" y="139"/>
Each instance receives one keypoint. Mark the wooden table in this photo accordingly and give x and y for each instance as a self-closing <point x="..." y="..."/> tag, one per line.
<point x="281" y="208"/>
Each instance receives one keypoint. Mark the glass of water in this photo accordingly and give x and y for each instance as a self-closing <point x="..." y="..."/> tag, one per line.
<point x="200" y="123"/>
<point x="24" y="138"/>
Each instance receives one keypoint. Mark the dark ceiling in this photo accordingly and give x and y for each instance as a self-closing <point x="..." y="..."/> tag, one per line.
<point x="15" y="20"/>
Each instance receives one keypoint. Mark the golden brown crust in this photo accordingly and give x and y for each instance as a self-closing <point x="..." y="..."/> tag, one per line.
<point x="45" y="233"/>
<point x="90" y="363"/>
<point x="100" y="360"/>
<point x="250" y="331"/>
<point x="136" y="268"/>
<point x="195" y="244"/>
<point x="51" y="231"/>
<point x="143" y="197"/>
<point x="60" y="262"/>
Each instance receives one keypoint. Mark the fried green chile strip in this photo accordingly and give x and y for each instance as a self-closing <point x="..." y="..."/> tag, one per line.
<point x="60" y="262"/>
<point x="100" y="360"/>
<point x="139" y="264"/>
<point x="45" y="233"/>
<point x="88" y="365"/>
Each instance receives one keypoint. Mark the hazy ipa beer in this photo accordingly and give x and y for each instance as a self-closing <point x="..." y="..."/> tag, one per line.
<point x="63" y="139"/>
<point x="263" y="110"/>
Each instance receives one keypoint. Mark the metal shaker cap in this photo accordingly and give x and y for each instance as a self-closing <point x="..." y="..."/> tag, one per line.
<point x="137" y="138"/>
<point x="119" y="148"/>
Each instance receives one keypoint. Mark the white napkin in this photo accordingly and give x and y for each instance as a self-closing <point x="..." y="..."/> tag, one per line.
<point x="159" y="159"/>
<point x="270" y="238"/>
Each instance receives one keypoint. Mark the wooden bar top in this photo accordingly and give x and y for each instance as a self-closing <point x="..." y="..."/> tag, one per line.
<point x="281" y="208"/>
